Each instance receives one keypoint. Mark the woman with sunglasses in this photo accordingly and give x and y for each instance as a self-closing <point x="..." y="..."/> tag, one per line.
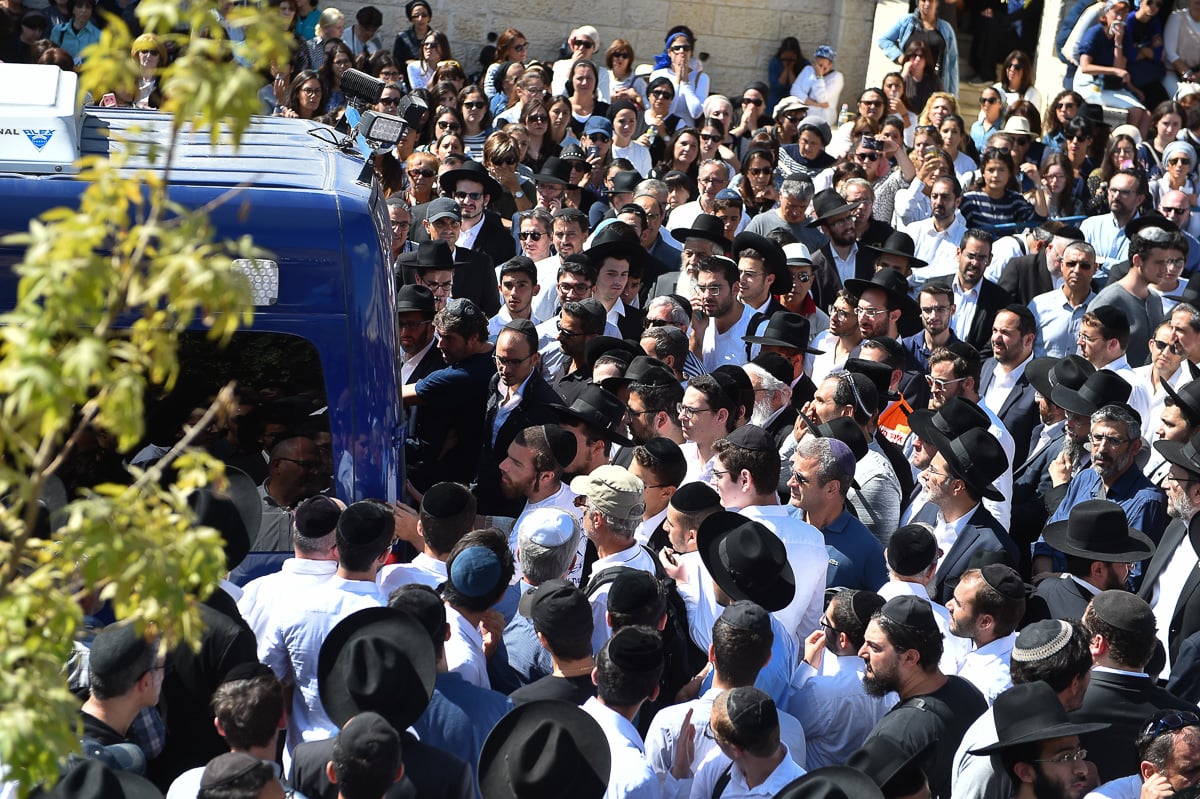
<point x="992" y="106"/>
<point x="435" y="47"/>
<point x="623" y="84"/>
<point x="686" y="73"/>
<point x="1077" y="144"/>
<point x="872" y="107"/>
<point x="1062" y="109"/>
<point x="757" y="182"/>
<point x="1119" y="154"/>
<point x="712" y="133"/>
<point x="682" y="155"/>
<point x="584" y="42"/>
<point x="477" y="120"/>
<point x="1165" y="124"/>
<point x="421" y="170"/>
<point x="924" y="23"/>
<point x="660" y="123"/>
<point x="819" y="85"/>
<point x="445" y="119"/>
<point x="510" y="46"/>
<point x="1179" y="159"/>
<point x="920" y="78"/>
<point x="1016" y="80"/>
<point x="536" y="120"/>
<point x="501" y="156"/>
<point x="389" y="166"/>
<point x="753" y="115"/>
<point x="995" y="201"/>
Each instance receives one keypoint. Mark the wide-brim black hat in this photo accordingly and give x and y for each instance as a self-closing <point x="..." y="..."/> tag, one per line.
<point x="1185" y="454"/>
<point x="604" y="344"/>
<point x="1031" y="712"/>
<point x="1099" y="530"/>
<point x="608" y="243"/>
<point x="831" y="782"/>
<point x="977" y="459"/>
<point x="956" y="416"/>
<point x="1101" y="388"/>
<point x="846" y="430"/>
<point x="92" y="779"/>
<point x="900" y="244"/>
<point x="1187" y="399"/>
<point x="884" y="760"/>
<point x="774" y="260"/>
<point x="704" y="226"/>
<point x="746" y="560"/>
<point x="828" y="204"/>
<point x="435" y="254"/>
<point x="555" y="171"/>
<point x="601" y="409"/>
<point x="545" y="748"/>
<point x="414" y="298"/>
<point x="889" y="281"/>
<point x="785" y="329"/>
<point x="378" y="659"/>
<point x="1038" y="373"/>
<point x="470" y="170"/>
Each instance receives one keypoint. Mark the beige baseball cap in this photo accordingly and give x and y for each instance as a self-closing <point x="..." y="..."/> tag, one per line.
<point x="612" y="490"/>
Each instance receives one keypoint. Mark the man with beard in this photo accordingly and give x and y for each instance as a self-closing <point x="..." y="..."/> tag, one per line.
<point x="294" y="475"/>
<point x="579" y="323"/>
<point x="704" y="238"/>
<point x="652" y="410"/>
<point x="976" y="299"/>
<point x="840" y="259"/>
<point x="1059" y="312"/>
<point x="1039" y="746"/>
<point x="1116" y="439"/>
<point x="1100" y="547"/>
<point x="1003" y="385"/>
<point x="1168" y="749"/>
<point x="1106" y="232"/>
<point x="474" y="272"/>
<point x="569" y="229"/>
<point x="936" y="238"/>
<point x="1027" y="276"/>
<point x="936" y="305"/>
<point x="902" y="647"/>
<point x="721" y="321"/>
<point x="882" y="301"/>
<point x="986" y="608"/>
<point x="771" y="376"/>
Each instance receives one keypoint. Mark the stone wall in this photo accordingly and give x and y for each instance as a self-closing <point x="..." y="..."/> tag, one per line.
<point x="740" y="36"/>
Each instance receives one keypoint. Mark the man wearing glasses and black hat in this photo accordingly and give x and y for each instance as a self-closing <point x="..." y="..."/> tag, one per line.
<point x="705" y="236"/>
<point x="840" y="259"/>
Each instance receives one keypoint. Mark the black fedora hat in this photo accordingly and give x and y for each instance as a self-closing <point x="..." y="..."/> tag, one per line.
<point x="704" y="226"/>
<point x="92" y="779"/>
<point x="847" y="431"/>
<point x="1186" y="399"/>
<point x="956" y="416"/>
<point x="644" y="370"/>
<point x="827" y="204"/>
<point x="1152" y="219"/>
<point x="1071" y="371"/>
<point x="415" y="298"/>
<point x="889" y="281"/>
<point x="1186" y="455"/>
<point x="785" y="329"/>
<point x="554" y="171"/>
<point x="545" y="748"/>
<point x="470" y="170"/>
<point x="880" y="374"/>
<point x="774" y="261"/>
<point x="378" y="659"/>
<point x="831" y="782"/>
<point x="1099" y="530"/>
<point x="977" y="459"/>
<point x="1101" y="388"/>
<point x="599" y="408"/>
<point x="436" y="254"/>
<point x="746" y="560"/>
<point x="1031" y="712"/>
<point x="611" y="243"/>
<point x="895" y="770"/>
<point x="620" y="348"/>
<point x="1037" y="372"/>
<point x="900" y="244"/>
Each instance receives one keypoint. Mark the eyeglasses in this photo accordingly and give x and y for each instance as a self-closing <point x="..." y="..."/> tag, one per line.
<point x="538" y="119"/>
<point x="530" y="235"/>
<point x="989" y="100"/>
<point x="825" y="623"/>
<point x="870" y="313"/>
<point x="473" y="196"/>
<point x="840" y="313"/>
<point x="760" y="171"/>
<point x="938" y="384"/>
<point x="389" y="101"/>
<point x="631" y="412"/>
<point x="1164" y="345"/>
<point x="401" y="225"/>
<point x="1068" y="757"/>
<point x="436" y="287"/>
<point x="308" y="466"/>
<point x="1174" y="263"/>
<point x="1020" y="141"/>
<point x="662" y="94"/>
<point x="511" y="363"/>
<point x="687" y="413"/>
<point x="717" y="474"/>
<point x="586" y="44"/>
<point x="936" y="310"/>
<point x="754" y="101"/>
<point x="310" y="90"/>
<point x="680" y="48"/>
<point x="568" y="333"/>
<point x="932" y="472"/>
<point x="413" y="325"/>
<point x="474" y="105"/>
<point x="712" y="181"/>
<point x="443" y="125"/>
<point x="1178" y="161"/>
<point x="865" y="157"/>
<point x="1079" y="265"/>
<point x="1065" y="106"/>
<point x="713" y="290"/>
<point x="1097" y="440"/>
<point x="1121" y="192"/>
<point x="421" y="173"/>
<point x="1171" y="722"/>
<point x="390" y="74"/>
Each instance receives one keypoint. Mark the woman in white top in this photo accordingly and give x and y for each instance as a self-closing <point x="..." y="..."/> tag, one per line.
<point x="1016" y="81"/>
<point x="585" y="43"/>
<point x="819" y="85"/>
<point x="623" y="83"/>
<point x="1181" y="46"/>
<point x="677" y="65"/>
<point x="435" y="47"/>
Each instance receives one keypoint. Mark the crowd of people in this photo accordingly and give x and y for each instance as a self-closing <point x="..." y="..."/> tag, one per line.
<point x="756" y="445"/>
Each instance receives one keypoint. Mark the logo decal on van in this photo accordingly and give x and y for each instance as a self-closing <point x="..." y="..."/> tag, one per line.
<point x="40" y="138"/>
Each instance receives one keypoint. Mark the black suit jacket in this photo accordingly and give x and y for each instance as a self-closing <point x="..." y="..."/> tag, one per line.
<point x="981" y="533"/>
<point x="992" y="300"/>
<point x="429" y="773"/>
<point x="1026" y="277"/>
<point x="474" y="279"/>
<point x="631" y="322"/>
<point x="1186" y="619"/>
<point x="782" y="425"/>
<point x="1019" y="411"/>
<point x="1125" y="702"/>
<point x="494" y="239"/>
<point x="533" y="410"/>
<point x="1059" y="598"/>
<point x="1031" y="483"/>
<point x="827" y="283"/>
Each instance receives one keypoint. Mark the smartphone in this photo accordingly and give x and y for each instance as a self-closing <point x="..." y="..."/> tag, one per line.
<point x="593" y="151"/>
<point x="929" y="150"/>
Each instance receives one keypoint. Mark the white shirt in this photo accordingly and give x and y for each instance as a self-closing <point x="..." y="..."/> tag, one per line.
<point x="685" y="216"/>
<point x="291" y="647"/>
<point x="827" y="361"/>
<point x="965" y="301"/>
<point x="1158" y="397"/>
<point x="1167" y="589"/>
<point x="805" y="547"/>
<point x="467" y="235"/>
<point x="977" y="776"/>
<point x="410" y="364"/>
<point x="1003" y="382"/>
<point x="423" y="570"/>
<point x="271" y="593"/>
<point x="947" y="533"/>
<point x="563" y="499"/>
<point x="954" y="649"/>
<point x="545" y="304"/>
<point x="940" y="250"/>
<point x="635" y="557"/>
<point x="715" y="765"/>
<point x="986" y="667"/>
<point x="1139" y="397"/>
<point x="648" y="526"/>
<point x="630" y="776"/>
<point x="727" y="347"/>
<point x="638" y="155"/>
<point x="502" y="318"/>
<point x="845" y="266"/>
<point x="464" y="650"/>
<point x="835" y="710"/>
<point x="507" y="404"/>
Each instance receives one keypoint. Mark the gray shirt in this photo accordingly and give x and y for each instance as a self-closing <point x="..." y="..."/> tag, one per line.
<point x="1144" y="316"/>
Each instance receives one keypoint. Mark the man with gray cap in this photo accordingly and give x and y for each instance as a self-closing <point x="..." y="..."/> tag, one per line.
<point x="474" y="272"/>
<point x="612" y="511"/>
<point x="902" y="648"/>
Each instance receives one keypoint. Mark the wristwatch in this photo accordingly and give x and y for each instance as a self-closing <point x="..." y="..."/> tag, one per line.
<point x="519" y="194"/>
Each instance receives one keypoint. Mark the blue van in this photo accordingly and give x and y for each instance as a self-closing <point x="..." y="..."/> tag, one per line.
<point x="324" y="301"/>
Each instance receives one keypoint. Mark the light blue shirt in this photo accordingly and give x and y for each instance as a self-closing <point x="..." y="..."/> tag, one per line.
<point x="1057" y="324"/>
<point x="1108" y="239"/>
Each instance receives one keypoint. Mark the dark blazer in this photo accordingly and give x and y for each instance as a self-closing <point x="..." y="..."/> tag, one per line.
<point x="783" y="425"/>
<point x="665" y="284"/>
<point x="1026" y="277"/>
<point x="1060" y="598"/>
<point x="631" y="322"/>
<point x="533" y="410"/>
<point x="1031" y="483"/>
<point x="827" y="283"/>
<point x="1125" y="702"/>
<point x="992" y="300"/>
<point x="429" y="773"/>
<point x="427" y="426"/>
<point x="430" y="363"/>
<point x="981" y="533"/>
<point x="1186" y="618"/>
<point x="495" y="239"/>
<point x="474" y="279"/>
<point x="1019" y="411"/>
<point x="1185" y="670"/>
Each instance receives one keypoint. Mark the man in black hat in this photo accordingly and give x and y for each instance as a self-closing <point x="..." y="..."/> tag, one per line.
<point x="1095" y="390"/>
<point x="518" y="398"/>
<point x="1099" y="546"/>
<point x="704" y="237"/>
<point x="986" y="607"/>
<point x="617" y="255"/>
<point x="840" y="259"/>
<point x="762" y="274"/>
<point x="882" y="302"/>
<point x="626" y="675"/>
<point x="481" y="230"/>
<point x="771" y="376"/>
<point x="786" y="334"/>
<point x="1038" y="746"/>
<point x="415" y="308"/>
<point x="474" y="272"/>
<point x="977" y="300"/>
<point x="596" y="418"/>
<point x="902" y="648"/>
<point x="543" y="748"/>
<point x="1003" y="385"/>
<point x="836" y="711"/>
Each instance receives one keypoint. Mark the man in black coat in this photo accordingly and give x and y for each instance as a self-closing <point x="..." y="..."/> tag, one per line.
<point x="474" y="271"/>
<point x="841" y="258"/>
<point x="426" y="427"/>
<point x="1012" y="398"/>
<point x="977" y="300"/>
<point x="1120" y="692"/>
<point x="1027" y="276"/>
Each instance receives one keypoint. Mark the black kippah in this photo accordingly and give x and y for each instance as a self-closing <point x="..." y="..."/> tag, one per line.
<point x="695" y="497"/>
<point x="443" y="499"/>
<point x="910" y="611"/>
<point x="632" y="591"/>
<point x="1004" y="579"/>
<point x="746" y="615"/>
<point x="635" y="649"/>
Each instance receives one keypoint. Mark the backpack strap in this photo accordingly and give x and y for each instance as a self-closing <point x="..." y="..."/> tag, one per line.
<point x="722" y="782"/>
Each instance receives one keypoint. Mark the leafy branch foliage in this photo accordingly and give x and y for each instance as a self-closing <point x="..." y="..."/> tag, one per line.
<point x="104" y="291"/>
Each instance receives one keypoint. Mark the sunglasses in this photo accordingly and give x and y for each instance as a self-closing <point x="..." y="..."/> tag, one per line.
<point x="1013" y="65"/>
<point x="540" y="119"/>
<point x="989" y="100"/>
<point x="661" y="94"/>
<point x="709" y="137"/>
<point x="1076" y="137"/>
<point x="754" y="101"/>
<point x="598" y="137"/>
<point x="584" y="43"/>
<point x="680" y="48"/>
<point x="421" y="173"/>
<point x="1178" y="161"/>
<point x="759" y="171"/>
<point x="389" y="101"/>
<point x="447" y="125"/>
<point x="530" y="235"/>
<point x="870" y="103"/>
<point x="872" y="157"/>
<point x="473" y="196"/>
<point x="509" y="161"/>
<point x="1064" y="106"/>
<point x="474" y="105"/>
<point x="621" y="54"/>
